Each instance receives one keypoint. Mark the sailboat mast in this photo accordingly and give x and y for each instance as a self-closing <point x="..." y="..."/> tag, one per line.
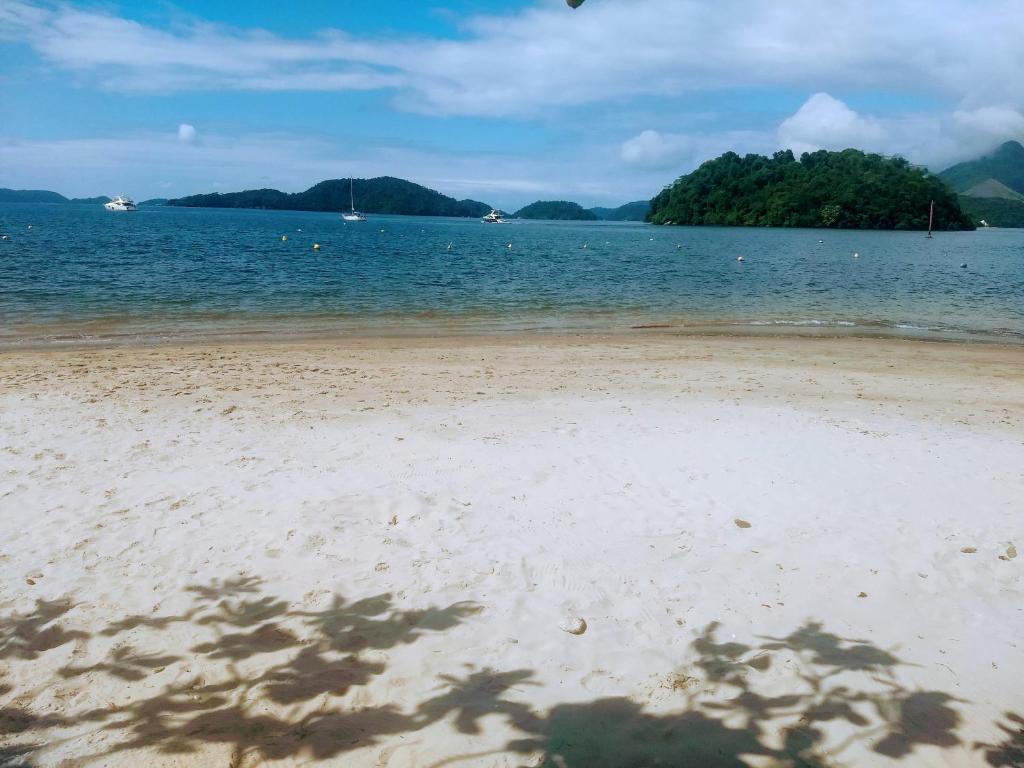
<point x="351" y="193"/>
<point x="931" y="218"/>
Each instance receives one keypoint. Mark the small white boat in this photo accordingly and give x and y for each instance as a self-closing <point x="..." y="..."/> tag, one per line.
<point x="494" y="217"/>
<point x="353" y="215"/>
<point x="121" y="203"/>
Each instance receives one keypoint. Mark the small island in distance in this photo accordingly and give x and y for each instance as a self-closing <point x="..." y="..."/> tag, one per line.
<point x="382" y="195"/>
<point x="842" y="190"/>
<point x="839" y="190"/>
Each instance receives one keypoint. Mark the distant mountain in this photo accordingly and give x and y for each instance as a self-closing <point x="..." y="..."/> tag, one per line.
<point x="842" y="190"/>
<point x="1005" y="166"/>
<point x="155" y="201"/>
<point x="994" y="211"/>
<point x="30" y="196"/>
<point x="90" y="200"/>
<point x="993" y="188"/>
<point x="383" y="195"/>
<point x="630" y="211"/>
<point x="560" y="210"/>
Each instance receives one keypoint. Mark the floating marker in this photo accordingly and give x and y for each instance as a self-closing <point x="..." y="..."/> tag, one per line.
<point x="679" y="247"/>
<point x="284" y="238"/>
<point x="964" y="265"/>
<point x="740" y="258"/>
<point x="316" y="246"/>
<point x="299" y="230"/>
<point x="510" y="245"/>
<point x="856" y="255"/>
<point x="449" y="246"/>
<point x="30" y="226"/>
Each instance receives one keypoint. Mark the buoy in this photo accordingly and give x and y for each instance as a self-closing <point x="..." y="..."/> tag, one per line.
<point x="740" y="258"/>
<point x="584" y="246"/>
<point x="30" y="226"/>
<point x="964" y="265"/>
<point x="679" y="247"/>
<point x="284" y="238"/>
<point x="821" y="241"/>
<point x="316" y="246"/>
<point x="382" y="230"/>
<point x="856" y="255"/>
<point x="449" y="246"/>
<point x="300" y="230"/>
<point x="510" y="245"/>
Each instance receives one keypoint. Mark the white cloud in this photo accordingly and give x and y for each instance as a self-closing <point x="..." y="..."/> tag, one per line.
<point x="545" y="57"/>
<point x="186" y="133"/>
<point x="827" y="123"/>
<point x="936" y="139"/>
<point x="677" y="152"/>
<point x="997" y="122"/>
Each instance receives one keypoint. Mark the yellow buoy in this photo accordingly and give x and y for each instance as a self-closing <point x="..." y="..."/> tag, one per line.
<point x="316" y="246"/>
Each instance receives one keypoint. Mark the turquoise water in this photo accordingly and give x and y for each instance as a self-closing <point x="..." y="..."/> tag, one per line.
<point x="83" y="273"/>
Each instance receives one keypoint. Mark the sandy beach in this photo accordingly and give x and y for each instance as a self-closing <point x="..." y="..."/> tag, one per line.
<point x="637" y="550"/>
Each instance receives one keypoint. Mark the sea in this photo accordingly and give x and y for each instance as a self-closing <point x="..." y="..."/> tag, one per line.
<point x="78" y="274"/>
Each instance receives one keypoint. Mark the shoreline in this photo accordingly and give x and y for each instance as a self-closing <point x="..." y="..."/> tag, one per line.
<point x="840" y="330"/>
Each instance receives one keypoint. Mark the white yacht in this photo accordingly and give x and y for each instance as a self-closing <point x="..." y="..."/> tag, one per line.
<point x="494" y="217"/>
<point x="120" y="203"/>
<point x="353" y="215"/>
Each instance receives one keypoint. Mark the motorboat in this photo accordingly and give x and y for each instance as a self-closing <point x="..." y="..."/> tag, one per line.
<point x="494" y="217"/>
<point x="121" y="203"/>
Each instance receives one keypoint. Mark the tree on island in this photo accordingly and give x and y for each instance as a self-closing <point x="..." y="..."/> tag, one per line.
<point x="841" y="190"/>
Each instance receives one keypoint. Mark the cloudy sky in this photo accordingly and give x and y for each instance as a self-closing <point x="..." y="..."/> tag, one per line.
<point x="504" y="102"/>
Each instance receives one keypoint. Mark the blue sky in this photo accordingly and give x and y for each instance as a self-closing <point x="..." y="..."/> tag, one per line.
<point x="505" y="102"/>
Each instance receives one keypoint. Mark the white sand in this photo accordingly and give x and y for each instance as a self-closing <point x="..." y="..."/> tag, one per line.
<point x="367" y="553"/>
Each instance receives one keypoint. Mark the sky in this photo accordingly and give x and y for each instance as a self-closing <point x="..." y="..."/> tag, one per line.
<point x="504" y="102"/>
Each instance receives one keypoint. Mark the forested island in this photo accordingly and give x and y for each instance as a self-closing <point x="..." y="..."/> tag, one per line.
<point x="383" y="195"/>
<point x="558" y="210"/>
<point x="843" y="190"/>
<point x="45" y="196"/>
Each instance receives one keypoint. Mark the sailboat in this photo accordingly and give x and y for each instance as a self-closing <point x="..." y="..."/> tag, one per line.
<point x="931" y="218"/>
<point x="353" y="215"/>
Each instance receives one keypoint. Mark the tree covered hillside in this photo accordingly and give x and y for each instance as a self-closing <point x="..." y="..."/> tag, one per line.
<point x="381" y="195"/>
<point x="848" y="190"/>
<point x="555" y="209"/>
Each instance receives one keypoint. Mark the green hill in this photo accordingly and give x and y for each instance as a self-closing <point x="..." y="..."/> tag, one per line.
<point x="993" y="188"/>
<point x="630" y="211"/>
<point x="1005" y="165"/>
<point x="30" y="196"/>
<point x="383" y="195"/>
<point x="994" y="211"/>
<point x="843" y="190"/>
<point x="560" y="210"/>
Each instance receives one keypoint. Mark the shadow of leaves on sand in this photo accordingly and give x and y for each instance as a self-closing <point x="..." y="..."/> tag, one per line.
<point x="266" y="683"/>
<point x="267" y="673"/>
<point x="1008" y="753"/>
<point x="726" y="719"/>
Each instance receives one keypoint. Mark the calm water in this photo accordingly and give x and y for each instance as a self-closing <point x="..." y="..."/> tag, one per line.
<point x="81" y="273"/>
